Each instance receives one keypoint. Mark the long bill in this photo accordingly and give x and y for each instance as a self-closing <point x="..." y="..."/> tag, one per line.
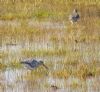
<point x="45" y="66"/>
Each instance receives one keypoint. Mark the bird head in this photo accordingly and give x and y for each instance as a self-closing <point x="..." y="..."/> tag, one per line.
<point x="42" y="63"/>
<point x="75" y="10"/>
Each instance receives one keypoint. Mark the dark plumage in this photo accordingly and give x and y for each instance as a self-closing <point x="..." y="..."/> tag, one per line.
<point x="74" y="17"/>
<point x="32" y="64"/>
<point x="54" y="87"/>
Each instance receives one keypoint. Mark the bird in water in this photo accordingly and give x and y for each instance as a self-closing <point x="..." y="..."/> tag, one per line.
<point x="32" y="64"/>
<point x="74" y="17"/>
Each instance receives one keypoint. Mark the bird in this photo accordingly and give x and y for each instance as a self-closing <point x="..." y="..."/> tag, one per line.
<point x="32" y="64"/>
<point x="74" y="17"/>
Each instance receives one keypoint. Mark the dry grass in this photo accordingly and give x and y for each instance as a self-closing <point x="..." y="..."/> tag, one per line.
<point x="71" y="44"/>
<point x="42" y="9"/>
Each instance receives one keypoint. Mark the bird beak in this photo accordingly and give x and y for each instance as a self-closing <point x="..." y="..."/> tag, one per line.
<point x="45" y="66"/>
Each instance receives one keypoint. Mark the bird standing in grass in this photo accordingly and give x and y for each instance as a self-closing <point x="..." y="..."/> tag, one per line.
<point x="74" y="17"/>
<point x="32" y="64"/>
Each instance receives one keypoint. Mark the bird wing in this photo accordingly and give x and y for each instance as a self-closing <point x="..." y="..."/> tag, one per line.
<point x="28" y="64"/>
<point x="77" y="16"/>
<point x="34" y="63"/>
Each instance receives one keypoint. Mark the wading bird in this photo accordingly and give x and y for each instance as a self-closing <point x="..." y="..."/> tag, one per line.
<point x="74" y="17"/>
<point x="32" y="64"/>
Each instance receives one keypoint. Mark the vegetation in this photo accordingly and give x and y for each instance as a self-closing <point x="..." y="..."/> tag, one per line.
<point x="70" y="52"/>
<point x="42" y="9"/>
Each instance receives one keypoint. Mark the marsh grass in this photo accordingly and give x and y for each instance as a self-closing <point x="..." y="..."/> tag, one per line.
<point x="61" y="74"/>
<point x="71" y="67"/>
<point x="2" y="66"/>
<point x="39" y="9"/>
<point x="76" y="83"/>
<point x="77" y="69"/>
<point x="43" y="53"/>
<point x="37" y="74"/>
<point x="14" y="64"/>
<point x="3" y="54"/>
<point x="85" y="32"/>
